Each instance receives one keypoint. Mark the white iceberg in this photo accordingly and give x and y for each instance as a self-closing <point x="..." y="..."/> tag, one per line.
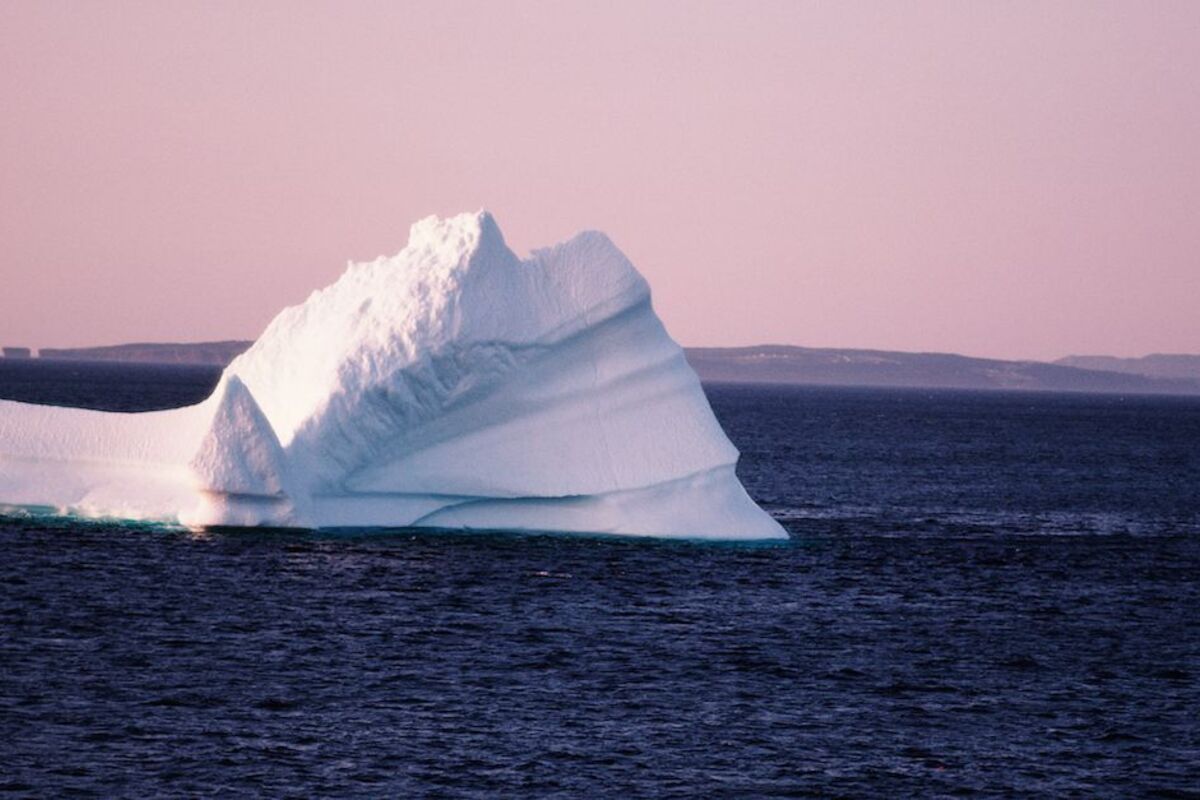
<point x="450" y="386"/>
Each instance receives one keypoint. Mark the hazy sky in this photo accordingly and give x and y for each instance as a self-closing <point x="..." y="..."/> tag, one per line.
<point x="1004" y="179"/>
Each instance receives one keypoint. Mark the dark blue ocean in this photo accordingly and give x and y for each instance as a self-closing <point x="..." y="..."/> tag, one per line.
<point x="989" y="595"/>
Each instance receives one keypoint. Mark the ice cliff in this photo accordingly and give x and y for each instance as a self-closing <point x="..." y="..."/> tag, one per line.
<point x="452" y="385"/>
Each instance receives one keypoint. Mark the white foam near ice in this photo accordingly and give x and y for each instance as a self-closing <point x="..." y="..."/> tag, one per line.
<point x="452" y="385"/>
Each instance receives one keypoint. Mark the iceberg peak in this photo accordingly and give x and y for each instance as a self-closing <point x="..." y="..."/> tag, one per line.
<point x="451" y="385"/>
<point x="456" y="239"/>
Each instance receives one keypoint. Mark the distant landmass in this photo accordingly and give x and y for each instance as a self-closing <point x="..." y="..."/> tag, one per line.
<point x="212" y="353"/>
<point x="1158" y="365"/>
<point x="839" y="367"/>
<point x="1153" y="374"/>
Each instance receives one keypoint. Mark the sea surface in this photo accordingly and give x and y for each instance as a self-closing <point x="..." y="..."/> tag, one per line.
<point x="985" y="595"/>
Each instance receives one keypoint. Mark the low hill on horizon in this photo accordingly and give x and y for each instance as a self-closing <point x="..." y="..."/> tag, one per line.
<point x="788" y="364"/>
<point x="852" y="367"/>
<point x="1157" y="365"/>
<point x="216" y="354"/>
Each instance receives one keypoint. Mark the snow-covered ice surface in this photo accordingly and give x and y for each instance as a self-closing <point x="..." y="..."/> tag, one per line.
<point x="452" y="385"/>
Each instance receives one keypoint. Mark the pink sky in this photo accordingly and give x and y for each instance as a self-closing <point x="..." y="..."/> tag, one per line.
<point x="1005" y="179"/>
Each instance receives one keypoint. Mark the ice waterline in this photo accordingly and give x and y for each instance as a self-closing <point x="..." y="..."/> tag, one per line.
<point x="451" y="386"/>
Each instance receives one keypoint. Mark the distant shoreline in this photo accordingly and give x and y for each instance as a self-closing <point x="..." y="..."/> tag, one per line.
<point x="786" y="364"/>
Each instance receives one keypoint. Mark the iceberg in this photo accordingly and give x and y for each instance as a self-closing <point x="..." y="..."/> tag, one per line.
<point x="453" y="385"/>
